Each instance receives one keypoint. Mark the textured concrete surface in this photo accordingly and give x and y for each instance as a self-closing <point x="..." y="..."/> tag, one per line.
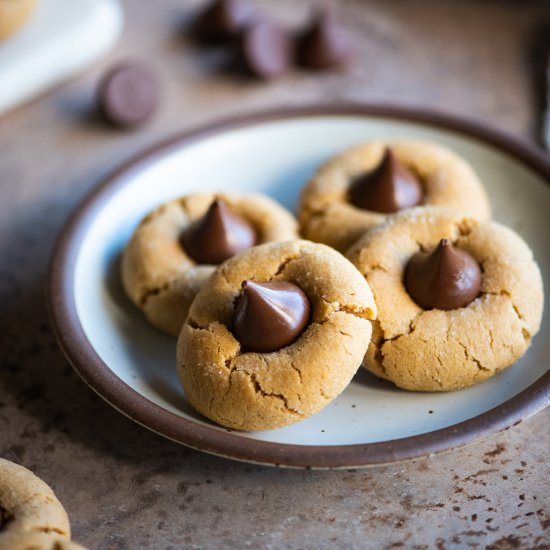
<point x="125" y="487"/>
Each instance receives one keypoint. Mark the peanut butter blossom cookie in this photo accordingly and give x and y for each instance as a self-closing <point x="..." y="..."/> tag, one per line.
<point x="458" y="299"/>
<point x="357" y="189"/>
<point x="276" y="333"/>
<point x="176" y="248"/>
<point x="28" y="507"/>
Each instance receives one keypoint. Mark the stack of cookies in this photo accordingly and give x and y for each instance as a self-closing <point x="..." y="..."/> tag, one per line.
<point x="403" y="272"/>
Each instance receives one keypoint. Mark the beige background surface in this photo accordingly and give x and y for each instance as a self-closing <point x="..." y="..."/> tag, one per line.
<point x="125" y="487"/>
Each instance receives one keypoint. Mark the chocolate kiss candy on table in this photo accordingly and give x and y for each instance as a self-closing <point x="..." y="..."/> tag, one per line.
<point x="222" y="20"/>
<point x="387" y="188"/>
<point x="270" y="316"/>
<point x="218" y="235"/>
<point x="128" y="95"/>
<point x="265" y="49"/>
<point x="325" y="43"/>
<point x="443" y="278"/>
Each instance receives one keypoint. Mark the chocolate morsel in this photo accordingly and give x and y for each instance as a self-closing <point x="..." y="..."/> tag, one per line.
<point x="265" y="49"/>
<point x="270" y="316"/>
<point x="128" y="95"/>
<point x="445" y="277"/>
<point x="222" y="20"/>
<point x="218" y="235"/>
<point x="325" y="43"/>
<point x="387" y="188"/>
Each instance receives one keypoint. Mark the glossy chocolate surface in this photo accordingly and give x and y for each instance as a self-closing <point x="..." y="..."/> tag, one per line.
<point x="325" y="43"/>
<point x="222" y="20"/>
<point x="265" y="49"/>
<point x="128" y="95"/>
<point x="388" y="188"/>
<point x="270" y="316"/>
<point x="218" y="235"/>
<point x="445" y="277"/>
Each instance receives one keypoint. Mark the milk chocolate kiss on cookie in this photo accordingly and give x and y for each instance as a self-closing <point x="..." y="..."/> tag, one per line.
<point x="387" y="188"/>
<point x="443" y="278"/>
<point x="270" y="316"/>
<point x="218" y="235"/>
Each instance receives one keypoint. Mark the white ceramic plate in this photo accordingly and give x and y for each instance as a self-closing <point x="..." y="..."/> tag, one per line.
<point x="61" y="38"/>
<point x="132" y="365"/>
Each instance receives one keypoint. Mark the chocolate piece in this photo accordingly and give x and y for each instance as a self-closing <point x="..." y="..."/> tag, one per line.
<point x="270" y="316"/>
<point x="325" y="44"/>
<point x="218" y="235"/>
<point x="443" y="278"/>
<point x="388" y="188"/>
<point x="5" y="518"/>
<point x="222" y="20"/>
<point x="265" y="49"/>
<point x="128" y="95"/>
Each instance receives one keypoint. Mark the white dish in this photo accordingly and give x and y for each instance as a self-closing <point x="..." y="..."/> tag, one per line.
<point x="132" y="365"/>
<point x="61" y="38"/>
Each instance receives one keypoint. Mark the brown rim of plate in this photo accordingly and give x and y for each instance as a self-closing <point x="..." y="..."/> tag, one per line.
<point x="104" y="382"/>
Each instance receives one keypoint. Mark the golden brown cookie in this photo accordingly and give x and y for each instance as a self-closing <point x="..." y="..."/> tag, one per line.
<point x="28" y="505"/>
<point x="260" y="391"/>
<point x="157" y="273"/>
<point x="326" y="214"/>
<point x="14" y="14"/>
<point x="36" y="541"/>
<point x="436" y="350"/>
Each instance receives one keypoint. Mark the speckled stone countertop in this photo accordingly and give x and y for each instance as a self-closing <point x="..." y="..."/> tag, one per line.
<point x="125" y="487"/>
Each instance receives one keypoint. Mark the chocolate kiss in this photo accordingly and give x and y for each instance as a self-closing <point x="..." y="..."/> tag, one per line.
<point x="218" y="235"/>
<point x="270" y="316"/>
<point x="443" y="278"/>
<point x="325" y="43"/>
<point x="388" y="188"/>
<point x="223" y="19"/>
<point x="265" y="49"/>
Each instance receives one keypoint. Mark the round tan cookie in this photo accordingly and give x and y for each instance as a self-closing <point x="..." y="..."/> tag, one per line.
<point x="28" y="505"/>
<point x="158" y="275"/>
<point x="326" y="215"/>
<point x="260" y="391"/>
<point x="437" y="350"/>
<point x="14" y="14"/>
<point x="36" y="541"/>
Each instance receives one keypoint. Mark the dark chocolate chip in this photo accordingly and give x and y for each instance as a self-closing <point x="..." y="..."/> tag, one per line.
<point x="222" y="20"/>
<point x="265" y="49"/>
<point x="270" y="316"/>
<point x="325" y="43"/>
<point x="445" y="277"/>
<point x="128" y="95"/>
<point x="218" y="235"/>
<point x="388" y="188"/>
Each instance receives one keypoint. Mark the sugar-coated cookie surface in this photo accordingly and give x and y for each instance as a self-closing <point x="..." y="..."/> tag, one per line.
<point x="326" y="214"/>
<point x="435" y="350"/>
<point x="28" y="505"/>
<point x="259" y="391"/>
<point x="161" y="278"/>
